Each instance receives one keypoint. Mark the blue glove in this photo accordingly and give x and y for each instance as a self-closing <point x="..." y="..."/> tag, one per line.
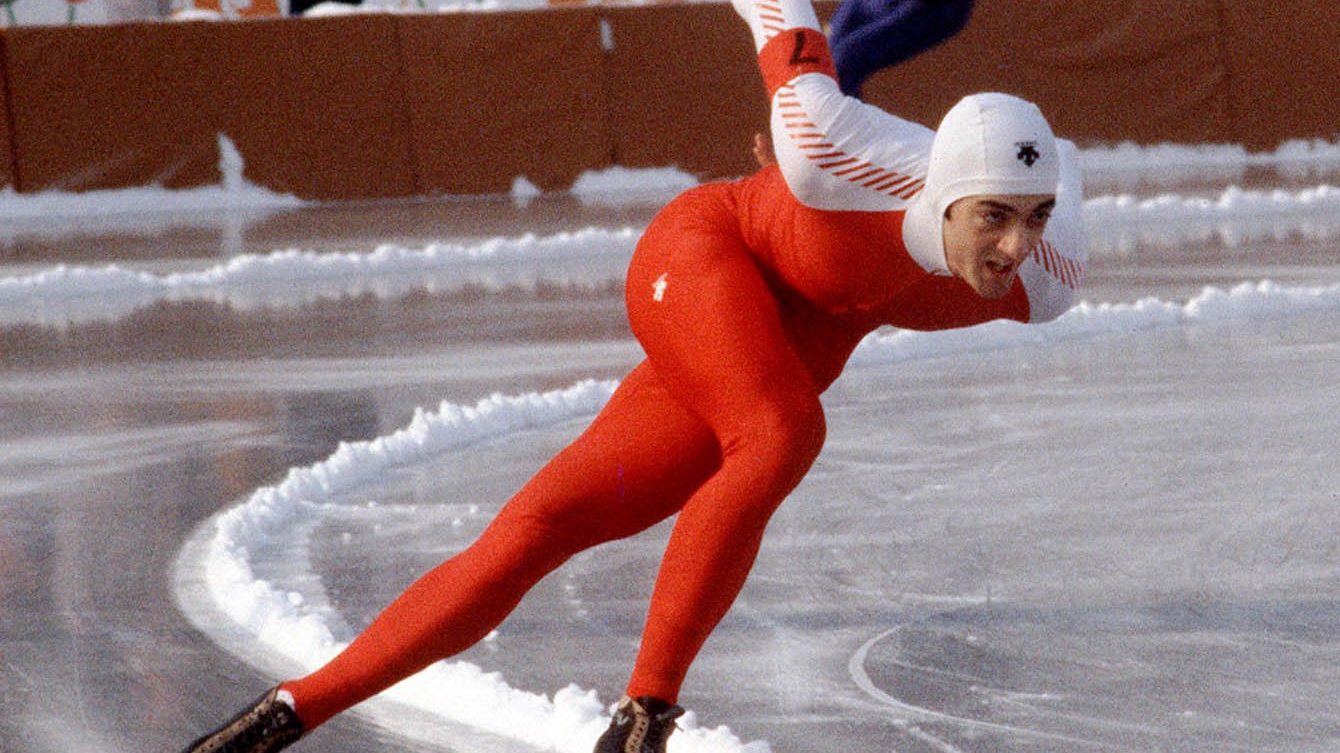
<point x="868" y="35"/>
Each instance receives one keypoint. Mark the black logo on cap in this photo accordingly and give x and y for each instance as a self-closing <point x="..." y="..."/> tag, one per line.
<point x="1028" y="152"/>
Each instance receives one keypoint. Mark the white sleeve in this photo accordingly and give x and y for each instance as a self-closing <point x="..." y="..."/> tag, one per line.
<point x="1056" y="268"/>
<point x="837" y="152"/>
<point x="768" y="18"/>
<point x="834" y="151"/>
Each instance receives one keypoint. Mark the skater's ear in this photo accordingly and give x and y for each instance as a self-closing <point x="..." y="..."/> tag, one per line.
<point x="763" y="153"/>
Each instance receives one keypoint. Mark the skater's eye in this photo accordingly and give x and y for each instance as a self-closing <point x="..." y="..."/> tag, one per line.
<point x="993" y="216"/>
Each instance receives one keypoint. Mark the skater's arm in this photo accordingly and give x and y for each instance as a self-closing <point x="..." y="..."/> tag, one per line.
<point x="835" y="151"/>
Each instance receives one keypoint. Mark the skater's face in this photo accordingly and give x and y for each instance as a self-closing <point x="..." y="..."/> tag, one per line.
<point x="987" y="238"/>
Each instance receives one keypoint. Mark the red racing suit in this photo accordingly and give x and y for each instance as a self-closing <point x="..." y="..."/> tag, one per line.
<point x="748" y="297"/>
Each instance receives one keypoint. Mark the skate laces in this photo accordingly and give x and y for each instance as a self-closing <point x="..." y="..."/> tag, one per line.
<point x="653" y="720"/>
<point x="270" y="724"/>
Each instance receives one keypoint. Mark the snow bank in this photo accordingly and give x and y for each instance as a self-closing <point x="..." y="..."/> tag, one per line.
<point x="232" y="193"/>
<point x="1170" y="163"/>
<point x="615" y="186"/>
<point x="64" y="295"/>
<point x="1086" y="320"/>
<point x="618" y="186"/>
<point x="1117" y="224"/>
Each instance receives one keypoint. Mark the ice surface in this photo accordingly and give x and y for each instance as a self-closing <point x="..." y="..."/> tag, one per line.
<point x="1114" y="531"/>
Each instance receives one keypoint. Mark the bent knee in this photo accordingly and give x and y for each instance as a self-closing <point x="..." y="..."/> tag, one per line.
<point x="546" y="533"/>
<point x="791" y="433"/>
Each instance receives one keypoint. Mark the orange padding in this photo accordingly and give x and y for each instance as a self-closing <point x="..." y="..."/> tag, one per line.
<point x="792" y="53"/>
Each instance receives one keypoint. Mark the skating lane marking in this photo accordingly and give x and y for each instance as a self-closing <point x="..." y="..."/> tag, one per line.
<point x="856" y="669"/>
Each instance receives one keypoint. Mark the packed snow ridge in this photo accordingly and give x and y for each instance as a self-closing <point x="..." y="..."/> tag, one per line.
<point x="63" y="295"/>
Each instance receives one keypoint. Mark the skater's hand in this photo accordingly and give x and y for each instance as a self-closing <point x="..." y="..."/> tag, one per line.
<point x="763" y="150"/>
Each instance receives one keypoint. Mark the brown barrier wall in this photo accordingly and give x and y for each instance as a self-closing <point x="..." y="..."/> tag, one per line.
<point x="378" y="106"/>
<point x="494" y="96"/>
<point x="314" y="107"/>
<point x="1103" y="70"/>
<point x="100" y="107"/>
<point x="7" y="178"/>
<point x="1283" y="62"/>
<point x="684" y="89"/>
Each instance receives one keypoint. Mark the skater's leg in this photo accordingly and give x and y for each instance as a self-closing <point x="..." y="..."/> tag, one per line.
<point x="713" y="332"/>
<point x="634" y="466"/>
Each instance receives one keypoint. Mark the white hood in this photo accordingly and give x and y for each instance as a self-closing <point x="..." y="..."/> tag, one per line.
<point x="986" y="144"/>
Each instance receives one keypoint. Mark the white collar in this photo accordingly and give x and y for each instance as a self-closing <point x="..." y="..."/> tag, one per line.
<point x="923" y="235"/>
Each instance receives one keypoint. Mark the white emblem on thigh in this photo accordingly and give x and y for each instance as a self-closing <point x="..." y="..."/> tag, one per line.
<point x="658" y="288"/>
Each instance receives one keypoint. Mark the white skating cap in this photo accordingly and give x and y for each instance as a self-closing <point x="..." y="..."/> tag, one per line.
<point x="992" y="144"/>
<point x="986" y="144"/>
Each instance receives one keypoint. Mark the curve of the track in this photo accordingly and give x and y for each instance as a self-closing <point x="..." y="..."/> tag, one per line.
<point x="899" y="605"/>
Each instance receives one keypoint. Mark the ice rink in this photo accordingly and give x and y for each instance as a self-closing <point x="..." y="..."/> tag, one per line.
<point x="232" y="429"/>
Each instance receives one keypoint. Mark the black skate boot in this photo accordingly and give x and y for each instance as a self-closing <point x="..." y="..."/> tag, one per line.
<point x="640" y="725"/>
<point x="269" y="725"/>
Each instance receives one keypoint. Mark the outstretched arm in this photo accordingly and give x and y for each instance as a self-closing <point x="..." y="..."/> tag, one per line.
<point x="834" y="151"/>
